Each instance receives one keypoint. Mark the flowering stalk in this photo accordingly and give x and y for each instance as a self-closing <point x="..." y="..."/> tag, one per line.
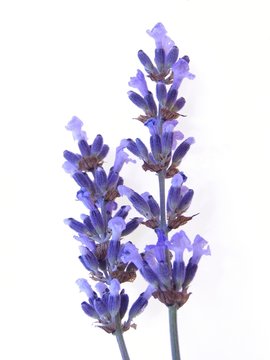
<point x="120" y="339"/>
<point x="174" y="333"/>
<point x="169" y="275"/>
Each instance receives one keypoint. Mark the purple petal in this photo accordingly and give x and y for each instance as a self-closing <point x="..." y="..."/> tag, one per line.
<point x="114" y="287"/>
<point x="162" y="40"/>
<point x="90" y="244"/>
<point x="101" y="288"/>
<point x="199" y="249"/>
<point x="180" y="71"/>
<point x="137" y="200"/>
<point x="140" y="304"/>
<point x="69" y="168"/>
<point x="120" y="158"/>
<point x="75" y="126"/>
<point x="117" y="225"/>
<point x="178" y="243"/>
<point x="138" y="82"/>
<point x="131" y="254"/>
<point x="85" y="287"/>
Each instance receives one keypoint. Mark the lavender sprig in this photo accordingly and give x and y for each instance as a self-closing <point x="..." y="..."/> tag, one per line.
<point x="100" y="232"/>
<point x="162" y="264"/>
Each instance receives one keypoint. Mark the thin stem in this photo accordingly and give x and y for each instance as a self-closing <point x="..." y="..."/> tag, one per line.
<point x="175" y="350"/>
<point x="161" y="180"/>
<point x="174" y="333"/>
<point x="120" y="339"/>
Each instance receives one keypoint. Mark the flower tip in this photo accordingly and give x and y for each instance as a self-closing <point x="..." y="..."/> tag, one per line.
<point x="74" y="124"/>
<point x="124" y="190"/>
<point x="84" y="287"/>
<point x="177" y="180"/>
<point x="190" y="140"/>
<point x="158" y="28"/>
<point x="67" y="221"/>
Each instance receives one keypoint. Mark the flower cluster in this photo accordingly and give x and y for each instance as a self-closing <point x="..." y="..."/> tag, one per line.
<point x="111" y="304"/>
<point x="168" y="274"/>
<point x="109" y="259"/>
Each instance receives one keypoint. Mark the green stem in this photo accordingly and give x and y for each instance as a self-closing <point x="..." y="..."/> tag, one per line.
<point x="174" y="333"/>
<point x="120" y="339"/>
<point x="175" y="350"/>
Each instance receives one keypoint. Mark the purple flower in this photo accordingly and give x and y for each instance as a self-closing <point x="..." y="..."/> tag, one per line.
<point x="180" y="71"/>
<point x="178" y="201"/>
<point x="89" y="260"/>
<point x="75" y="126"/>
<point x="138" y="100"/>
<point x="83" y="180"/>
<point x="85" y="287"/>
<point x="181" y="151"/>
<point x="168" y="127"/>
<point x="137" y="201"/>
<point x="85" y="197"/>
<point x="156" y="257"/>
<point x="146" y="62"/>
<point x="174" y="192"/>
<point x="71" y="165"/>
<point x="140" y="304"/>
<point x="139" y="83"/>
<point x="114" y="300"/>
<point x="179" y="243"/>
<point x="199" y="249"/>
<point x="117" y="225"/>
<point x="90" y="244"/>
<point x="161" y="93"/>
<point x="121" y="157"/>
<point x="76" y="226"/>
<point x="162" y="40"/>
<point x="131" y="254"/>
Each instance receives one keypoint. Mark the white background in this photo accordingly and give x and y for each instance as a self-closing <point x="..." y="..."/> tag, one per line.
<point x="65" y="58"/>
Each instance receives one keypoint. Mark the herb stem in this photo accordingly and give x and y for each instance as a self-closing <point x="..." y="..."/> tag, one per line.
<point x="174" y="333"/>
<point x="120" y="339"/>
